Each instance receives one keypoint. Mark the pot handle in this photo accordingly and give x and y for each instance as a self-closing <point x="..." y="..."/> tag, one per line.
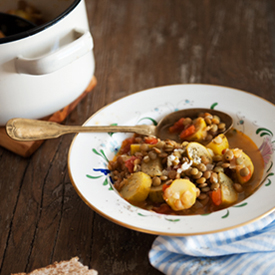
<point x="56" y="60"/>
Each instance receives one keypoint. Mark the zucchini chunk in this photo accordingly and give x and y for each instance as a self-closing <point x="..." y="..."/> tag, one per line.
<point x="200" y="130"/>
<point x="136" y="187"/>
<point x="218" y="144"/>
<point x="228" y="193"/>
<point x="156" y="194"/>
<point x="245" y="171"/>
<point x="196" y="151"/>
<point x="152" y="168"/>
<point x="181" y="194"/>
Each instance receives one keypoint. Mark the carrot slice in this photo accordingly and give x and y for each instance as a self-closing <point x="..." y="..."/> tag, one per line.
<point x="216" y="196"/>
<point x="151" y="140"/>
<point x="178" y="126"/>
<point x="188" y="132"/>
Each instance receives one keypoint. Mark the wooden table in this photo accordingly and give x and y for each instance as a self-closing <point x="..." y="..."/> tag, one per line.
<point x="139" y="44"/>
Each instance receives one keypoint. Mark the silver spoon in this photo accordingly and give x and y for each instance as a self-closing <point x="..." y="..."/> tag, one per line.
<point x="21" y="129"/>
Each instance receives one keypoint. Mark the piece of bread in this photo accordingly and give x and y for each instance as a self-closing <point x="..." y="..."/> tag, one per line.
<point x="65" y="267"/>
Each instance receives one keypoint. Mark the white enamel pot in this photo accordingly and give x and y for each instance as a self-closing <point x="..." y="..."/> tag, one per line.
<point x="47" y="68"/>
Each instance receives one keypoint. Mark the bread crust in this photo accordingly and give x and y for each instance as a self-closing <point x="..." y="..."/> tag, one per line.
<point x="70" y="267"/>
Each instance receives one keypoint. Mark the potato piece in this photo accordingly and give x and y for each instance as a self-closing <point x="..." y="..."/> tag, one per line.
<point x="246" y="164"/>
<point x="228" y="193"/>
<point x="196" y="151"/>
<point x="200" y="132"/>
<point x="135" y="147"/>
<point x="156" y="194"/>
<point x="152" y="168"/>
<point x="181" y="194"/>
<point x="218" y="144"/>
<point x="137" y="187"/>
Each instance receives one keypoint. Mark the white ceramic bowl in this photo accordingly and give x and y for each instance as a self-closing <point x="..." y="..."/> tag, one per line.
<point x="90" y="152"/>
<point x="47" y="68"/>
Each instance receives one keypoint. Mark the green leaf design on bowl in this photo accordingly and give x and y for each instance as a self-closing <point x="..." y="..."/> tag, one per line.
<point x="226" y="215"/>
<point x="172" y="220"/>
<point x="268" y="182"/>
<point x="240" y="205"/>
<point x="271" y="164"/>
<point x="101" y="154"/>
<point x="94" y="177"/>
<point x="264" y="132"/>
<point x="111" y="133"/>
<point x="104" y="172"/>
<point x="148" y="118"/>
<point x="105" y="182"/>
<point x="142" y="215"/>
<point x="213" y="105"/>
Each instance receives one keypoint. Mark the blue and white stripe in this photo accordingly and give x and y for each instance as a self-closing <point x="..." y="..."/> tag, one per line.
<point x="246" y="250"/>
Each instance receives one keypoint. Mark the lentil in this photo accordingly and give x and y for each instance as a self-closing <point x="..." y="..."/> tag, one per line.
<point x="194" y="171"/>
<point x="202" y="185"/>
<point x="205" y="189"/>
<point x="238" y="187"/>
<point x="163" y="177"/>
<point x="208" y="121"/>
<point x="202" y="196"/>
<point x="204" y="160"/>
<point x="160" y="144"/>
<point x="187" y="121"/>
<point x="201" y="167"/>
<point x="152" y="155"/>
<point x="198" y="175"/>
<point x="201" y="180"/>
<point x="218" y="169"/>
<point x="216" y="120"/>
<point x="214" y="128"/>
<point x="214" y="178"/>
<point x="215" y="186"/>
<point x="208" y="137"/>
<point x="207" y="174"/>
<point x="225" y="165"/>
<point x="156" y="181"/>
<point x="146" y="159"/>
<point x="244" y="172"/>
<point x="228" y="155"/>
<point x="157" y="150"/>
<point x="217" y="158"/>
<point x="221" y="126"/>
<point x="144" y="147"/>
<point x="172" y="174"/>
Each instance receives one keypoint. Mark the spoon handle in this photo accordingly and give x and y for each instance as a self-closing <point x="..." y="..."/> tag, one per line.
<point x="30" y="130"/>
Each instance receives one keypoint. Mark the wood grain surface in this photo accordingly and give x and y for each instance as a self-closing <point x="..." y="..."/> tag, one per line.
<point x="139" y="44"/>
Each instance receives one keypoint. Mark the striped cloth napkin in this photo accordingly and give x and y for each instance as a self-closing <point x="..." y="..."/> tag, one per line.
<point x="245" y="250"/>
